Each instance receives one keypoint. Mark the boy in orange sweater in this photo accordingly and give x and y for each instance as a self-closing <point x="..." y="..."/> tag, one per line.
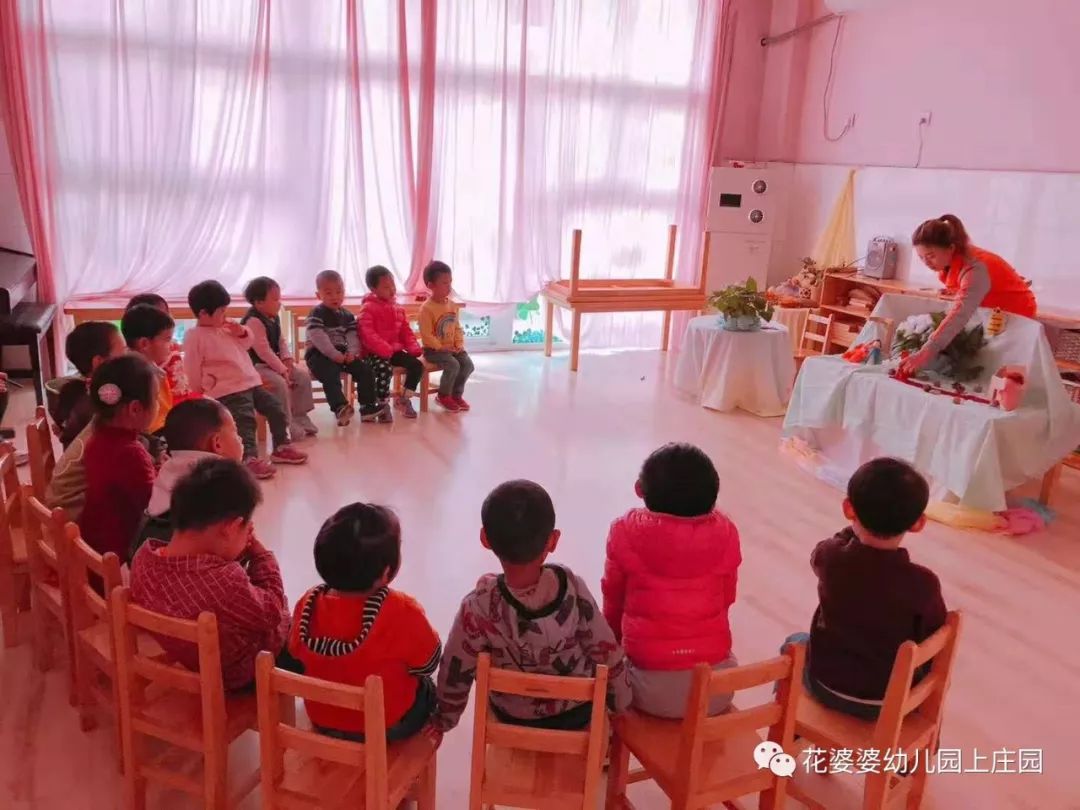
<point x="444" y="339"/>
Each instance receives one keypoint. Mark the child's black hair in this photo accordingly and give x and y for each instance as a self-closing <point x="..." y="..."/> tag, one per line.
<point x="679" y="479"/>
<point x="208" y="296"/>
<point x="153" y="299"/>
<point x="214" y="491"/>
<point x="518" y="519"/>
<point x="375" y="274"/>
<point x="121" y="380"/>
<point x="328" y="277"/>
<point x="188" y="424"/>
<point x="434" y="270"/>
<point x="87" y="341"/>
<point x="144" y="321"/>
<point x="888" y="496"/>
<point x="258" y="288"/>
<point x="357" y="545"/>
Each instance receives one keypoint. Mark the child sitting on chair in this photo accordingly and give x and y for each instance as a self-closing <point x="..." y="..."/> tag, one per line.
<point x="669" y="580"/>
<point x="194" y="430"/>
<point x="119" y="470"/>
<point x="388" y="340"/>
<point x="444" y="339"/>
<point x="218" y="365"/>
<point x="354" y="625"/>
<point x="88" y="346"/>
<point x="270" y="353"/>
<point x="149" y="331"/>
<point x="872" y="597"/>
<point x="334" y="347"/>
<point x="215" y="563"/>
<point x="533" y="617"/>
<point x="174" y="365"/>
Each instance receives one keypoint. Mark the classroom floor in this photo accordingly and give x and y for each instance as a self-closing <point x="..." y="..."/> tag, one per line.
<point x="583" y="437"/>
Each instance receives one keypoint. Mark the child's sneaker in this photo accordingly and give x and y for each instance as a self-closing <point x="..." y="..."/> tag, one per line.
<point x="261" y="468"/>
<point x="404" y="404"/>
<point x="371" y="413"/>
<point x="385" y="415"/>
<point x="287" y="454"/>
<point x="344" y="415"/>
<point x="310" y="428"/>
<point x="462" y="404"/>
<point x="447" y="403"/>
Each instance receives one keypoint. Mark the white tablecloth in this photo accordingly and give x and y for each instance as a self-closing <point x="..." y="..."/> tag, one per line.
<point x="727" y="370"/>
<point x="794" y="318"/>
<point x="971" y="453"/>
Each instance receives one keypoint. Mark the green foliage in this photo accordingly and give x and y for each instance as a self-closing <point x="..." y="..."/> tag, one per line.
<point x="958" y="361"/>
<point x="526" y="308"/>
<point x="742" y="300"/>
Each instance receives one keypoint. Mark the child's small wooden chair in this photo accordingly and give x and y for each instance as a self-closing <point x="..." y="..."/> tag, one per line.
<point x="814" y="342"/>
<point x="426" y="389"/>
<point x="14" y="565"/>
<point x="42" y="455"/>
<point x="304" y="769"/>
<point x="47" y="555"/>
<point x="187" y="711"/>
<point x="517" y="766"/>
<point x="909" y="722"/>
<point x="91" y="578"/>
<point x="701" y="761"/>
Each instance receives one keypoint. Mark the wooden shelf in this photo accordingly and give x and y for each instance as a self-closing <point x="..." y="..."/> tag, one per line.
<point x="885" y="284"/>
<point x="855" y="312"/>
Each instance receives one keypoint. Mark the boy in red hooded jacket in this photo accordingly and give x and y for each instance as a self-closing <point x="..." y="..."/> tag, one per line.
<point x="669" y="580"/>
<point x="388" y="341"/>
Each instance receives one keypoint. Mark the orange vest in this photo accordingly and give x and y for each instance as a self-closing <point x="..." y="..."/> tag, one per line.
<point x="1008" y="289"/>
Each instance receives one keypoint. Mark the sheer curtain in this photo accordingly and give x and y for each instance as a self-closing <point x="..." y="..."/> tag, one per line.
<point x="209" y="139"/>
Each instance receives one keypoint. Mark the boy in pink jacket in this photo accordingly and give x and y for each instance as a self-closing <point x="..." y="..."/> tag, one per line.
<point x="388" y="341"/>
<point x="218" y="366"/>
<point x="669" y="580"/>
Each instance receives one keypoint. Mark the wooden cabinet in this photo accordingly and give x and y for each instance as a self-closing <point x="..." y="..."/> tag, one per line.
<point x="848" y="320"/>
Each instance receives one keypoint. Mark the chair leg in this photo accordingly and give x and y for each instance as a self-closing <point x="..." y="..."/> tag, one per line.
<point x="876" y="791"/>
<point x="918" y="785"/>
<point x="575" y="340"/>
<point x="549" y="325"/>
<point x="618" y="774"/>
<point x="42" y="641"/>
<point x="425" y="390"/>
<point x="9" y="610"/>
<point x="84" y="675"/>
<point x="35" y="348"/>
<point x="665" y="338"/>
<point x="426" y="787"/>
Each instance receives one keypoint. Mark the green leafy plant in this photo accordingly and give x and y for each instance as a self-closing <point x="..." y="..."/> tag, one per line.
<point x="742" y="301"/>
<point x="958" y="361"/>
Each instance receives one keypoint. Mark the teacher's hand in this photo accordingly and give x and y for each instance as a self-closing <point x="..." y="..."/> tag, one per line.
<point x="915" y="363"/>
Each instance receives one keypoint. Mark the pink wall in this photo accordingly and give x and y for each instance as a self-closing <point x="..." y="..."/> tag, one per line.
<point x="13" y="233"/>
<point x="1001" y="79"/>
<point x="739" y="133"/>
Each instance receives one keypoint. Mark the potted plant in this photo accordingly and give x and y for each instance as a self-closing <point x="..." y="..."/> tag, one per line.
<point x="742" y="306"/>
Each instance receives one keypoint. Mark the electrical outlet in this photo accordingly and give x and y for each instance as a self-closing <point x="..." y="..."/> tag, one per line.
<point x="925" y="117"/>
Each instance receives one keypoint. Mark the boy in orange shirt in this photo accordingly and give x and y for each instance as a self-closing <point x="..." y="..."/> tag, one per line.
<point x="354" y="625"/>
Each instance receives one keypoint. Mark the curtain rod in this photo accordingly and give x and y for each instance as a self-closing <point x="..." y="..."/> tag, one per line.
<point x="772" y="40"/>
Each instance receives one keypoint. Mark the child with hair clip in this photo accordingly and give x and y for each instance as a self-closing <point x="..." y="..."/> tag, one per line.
<point x="669" y="580"/>
<point x="119" y="470"/>
<point x="388" y="340"/>
<point x="355" y="625"/>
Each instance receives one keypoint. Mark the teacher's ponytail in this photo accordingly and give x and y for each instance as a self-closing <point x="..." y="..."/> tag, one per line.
<point x="947" y="231"/>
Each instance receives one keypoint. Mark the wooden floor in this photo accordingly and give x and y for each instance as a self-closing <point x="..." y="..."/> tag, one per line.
<point x="1017" y="680"/>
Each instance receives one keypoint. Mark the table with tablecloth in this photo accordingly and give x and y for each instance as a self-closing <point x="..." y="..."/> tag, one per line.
<point x="725" y="370"/>
<point x="844" y="414"/>
<point x="794" y="318"/>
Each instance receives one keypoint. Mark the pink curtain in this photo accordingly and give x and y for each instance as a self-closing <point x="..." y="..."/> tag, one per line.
<point x="26" y="125"/>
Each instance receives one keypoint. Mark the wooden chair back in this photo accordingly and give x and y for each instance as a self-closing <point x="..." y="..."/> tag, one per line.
<point x="14" y="582"/>
<point x="364" y="779"/>
<point x="531" y="767"/>
<point x="91" y="578"/>
<point x="185" y="709"/>
<point x="47" y="557"/>
<point x="814" y="341"/>
<point x="41" y="453"/>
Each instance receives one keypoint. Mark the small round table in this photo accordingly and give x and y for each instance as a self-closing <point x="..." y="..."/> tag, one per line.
<point x="726" y="370"/>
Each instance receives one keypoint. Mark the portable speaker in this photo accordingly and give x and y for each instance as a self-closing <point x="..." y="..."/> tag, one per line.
<point x="881" y="256"/>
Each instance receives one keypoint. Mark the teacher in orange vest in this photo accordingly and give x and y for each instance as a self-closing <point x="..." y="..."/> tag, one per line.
<point x="973" y="278"/>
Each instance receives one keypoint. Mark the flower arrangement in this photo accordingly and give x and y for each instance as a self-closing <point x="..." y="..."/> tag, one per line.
<point x="958" y="361"/>
<point x="742" y="305"/>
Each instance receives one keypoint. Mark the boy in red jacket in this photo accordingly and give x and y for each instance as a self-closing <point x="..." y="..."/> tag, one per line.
<point x="388" y="341"/>
<point x="669" y="580"/>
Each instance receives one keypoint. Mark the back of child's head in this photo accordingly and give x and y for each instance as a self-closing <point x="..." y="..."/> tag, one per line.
<point x="325" y="277"/>
<point x="118" y="382"/>
<point x="357" y="546"/>
<point x="259" y="288"/>
<point x="208" y="296"/>
<point x="144" y="321"/>
<point x="518" y="519"/>
<point x="888" y="496"/>
<point x="150" y="299"/>
<point x="679" y="479"/>
<point x="192" y="423"/>
<point x="88" y="341"/>
<point x="376" y="274"/>
<point x="214" y="491"/>
<point x="434" y="270"/>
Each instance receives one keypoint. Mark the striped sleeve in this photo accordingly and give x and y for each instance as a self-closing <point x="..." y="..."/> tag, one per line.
<point x="424" y="649"/>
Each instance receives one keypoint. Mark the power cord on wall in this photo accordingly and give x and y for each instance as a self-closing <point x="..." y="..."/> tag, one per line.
<point x="826" y="97"/>
<point x="918" y="157"/>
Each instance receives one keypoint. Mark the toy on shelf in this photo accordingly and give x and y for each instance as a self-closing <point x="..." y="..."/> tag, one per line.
<point x="996" y="324"/>
<point x="801" y="290"/>
<point x="869" y="353"/>
<point x="1007" y="387"/>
